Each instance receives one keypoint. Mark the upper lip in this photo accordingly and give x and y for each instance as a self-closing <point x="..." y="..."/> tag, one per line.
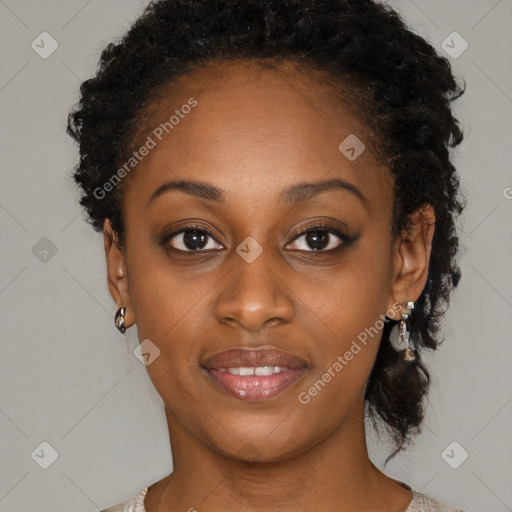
<point x="239" y="357"/>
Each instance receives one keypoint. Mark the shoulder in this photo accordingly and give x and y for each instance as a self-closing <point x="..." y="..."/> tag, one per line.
<point x="135" y="504"/>
<point x="422" y="503"/>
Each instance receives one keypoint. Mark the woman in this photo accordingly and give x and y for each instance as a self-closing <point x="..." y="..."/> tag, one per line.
<point x="278" y="206"/>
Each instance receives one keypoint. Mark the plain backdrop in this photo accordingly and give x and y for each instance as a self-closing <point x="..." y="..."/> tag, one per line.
<point x="69" y="379"/>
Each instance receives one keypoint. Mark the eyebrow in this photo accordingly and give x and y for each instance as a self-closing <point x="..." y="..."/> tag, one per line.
<point x="293" y="194"/>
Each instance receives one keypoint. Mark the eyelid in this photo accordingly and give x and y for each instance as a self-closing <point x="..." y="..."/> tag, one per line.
<point x="321" y="224"/>
<point x="167" y="237"/>
<point x="344" y="239"/>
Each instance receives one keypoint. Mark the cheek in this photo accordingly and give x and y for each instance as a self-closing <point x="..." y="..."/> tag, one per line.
<point x="344" y="310"/>
<point x="160" y="292"/>
<point x="348" y="299"/>
<point x="167" y="306"/>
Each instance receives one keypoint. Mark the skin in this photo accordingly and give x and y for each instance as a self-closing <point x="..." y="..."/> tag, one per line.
<point x="253" y="133"/>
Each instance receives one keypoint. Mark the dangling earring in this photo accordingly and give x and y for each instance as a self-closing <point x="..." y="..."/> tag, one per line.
<point x="119" y="320"/>
<point x="399" y="336"/>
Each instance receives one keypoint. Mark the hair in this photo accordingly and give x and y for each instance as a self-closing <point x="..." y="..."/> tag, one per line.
<point x="402" y="90"/>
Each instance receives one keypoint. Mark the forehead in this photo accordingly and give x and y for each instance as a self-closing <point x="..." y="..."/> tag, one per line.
<point x="252" y="126"/>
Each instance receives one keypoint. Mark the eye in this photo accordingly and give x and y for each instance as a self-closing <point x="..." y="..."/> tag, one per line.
<point x="319" y="239"/>
<point x="191" y="239"/>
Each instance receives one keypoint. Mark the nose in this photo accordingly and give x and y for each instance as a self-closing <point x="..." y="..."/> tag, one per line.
<point x="254" y="295"/>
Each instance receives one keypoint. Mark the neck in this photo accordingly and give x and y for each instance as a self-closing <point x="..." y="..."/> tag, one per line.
<point x="335" y="474"/>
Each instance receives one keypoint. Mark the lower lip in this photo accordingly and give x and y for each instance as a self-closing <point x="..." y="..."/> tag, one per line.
<point x="253" y="387"/>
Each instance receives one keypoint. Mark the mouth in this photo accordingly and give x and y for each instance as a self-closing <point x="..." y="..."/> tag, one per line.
<point x="254" y="374"/>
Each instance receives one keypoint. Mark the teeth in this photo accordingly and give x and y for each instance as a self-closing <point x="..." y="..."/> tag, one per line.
<point x="251" y="370"/>
<point x="263" y="370"/>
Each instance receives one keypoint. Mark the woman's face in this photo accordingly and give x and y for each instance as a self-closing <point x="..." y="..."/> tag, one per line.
<point x="247" y="278"/>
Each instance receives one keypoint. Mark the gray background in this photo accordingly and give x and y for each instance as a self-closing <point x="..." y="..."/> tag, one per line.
<point x="68" y="378"/>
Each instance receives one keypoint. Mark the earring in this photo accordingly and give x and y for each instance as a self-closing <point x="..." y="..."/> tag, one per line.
<point x="119" y="320"/>
<point x="399" y="336"/>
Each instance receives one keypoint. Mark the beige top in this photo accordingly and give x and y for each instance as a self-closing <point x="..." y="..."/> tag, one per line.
<point x="419" y="503"/>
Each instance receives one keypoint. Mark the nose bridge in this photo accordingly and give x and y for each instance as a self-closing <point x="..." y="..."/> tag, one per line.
<point x="255" y="293"/>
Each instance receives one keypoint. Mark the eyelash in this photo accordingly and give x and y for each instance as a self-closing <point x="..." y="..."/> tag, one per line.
<point x="320" y="226"/>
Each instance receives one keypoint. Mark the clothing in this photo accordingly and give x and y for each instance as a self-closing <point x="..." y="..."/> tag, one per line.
<point x="419" y="503"/>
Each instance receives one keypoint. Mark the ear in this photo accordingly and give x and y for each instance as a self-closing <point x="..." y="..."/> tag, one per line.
<point x="117" y="275"/>
<point x="411" y="256"/>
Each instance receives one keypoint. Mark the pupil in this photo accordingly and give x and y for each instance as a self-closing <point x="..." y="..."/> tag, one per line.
<point x="193" y="237"/>
<point x="317" y="242"/>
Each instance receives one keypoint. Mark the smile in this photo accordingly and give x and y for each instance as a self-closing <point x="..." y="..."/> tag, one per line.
<point x="255" y="383"/>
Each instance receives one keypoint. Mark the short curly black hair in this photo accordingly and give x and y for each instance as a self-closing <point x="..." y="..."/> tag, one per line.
<point x="402" y="89"/>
